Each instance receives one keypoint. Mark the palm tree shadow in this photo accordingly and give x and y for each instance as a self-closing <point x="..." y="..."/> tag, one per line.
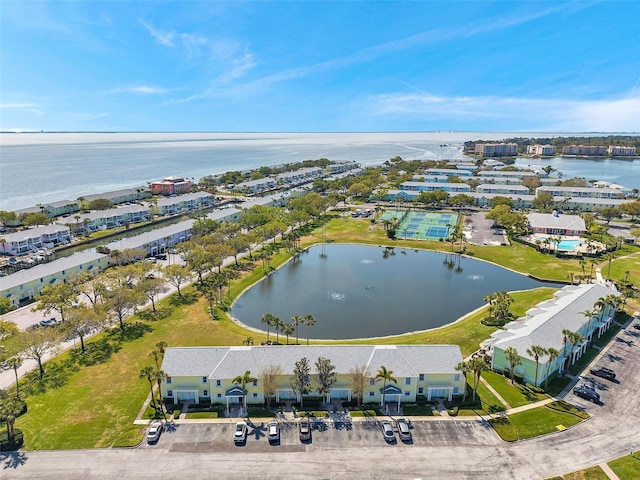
<point x="13" y="459"/>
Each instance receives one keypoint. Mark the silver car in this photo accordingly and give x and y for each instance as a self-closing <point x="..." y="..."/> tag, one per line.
<point x="305" y="429"/>
<point x="387" y="432"/>
<point x="240" y="433"/>
<point x="153" y="434"/>
<point x="403" y="430"/>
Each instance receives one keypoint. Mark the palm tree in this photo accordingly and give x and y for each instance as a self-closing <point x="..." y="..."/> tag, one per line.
<point x="267" y="319"/>
<point x="296" y="319"/>
<point x="477" y="365"/>
<point x="386" y="376"/>
<point x="553" y="354"/>
<point x="287" y="329"/>
<point x="243" y="380"/>
<point x="309" y="321"/>
<point x="10" y="409"/>
<point x="574" y="339"/>
<point x="565" y="339"/>
<point x="147" y="372"/>
<point x="277" y="325"/>
<point x="589" y="314"/>
<point x="156" y="356"/>
<point x="464" y="368"/>
<point x="513" y="357"/>
<point x="14" y="363"/>
<point x="536" y="351"/>
<point x="159" y="375"/>
<point x="248" y="341"/>
<point x="490" y="299"/>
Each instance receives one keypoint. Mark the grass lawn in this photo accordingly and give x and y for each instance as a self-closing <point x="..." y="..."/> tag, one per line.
<point x="541" y="420"/>
<point x="627" y="467"/>
<point x="585" y="360"/>
<point x="486" y="401"/>
<point x="593" y="473"/>
<point x="515" y="395"/>
<point x="196" y="415"/>
<point x="557" y="385"/>
<point x="418" y="410"/>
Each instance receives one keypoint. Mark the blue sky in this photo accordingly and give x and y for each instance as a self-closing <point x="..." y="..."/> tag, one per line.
<point x="320" y="66"/>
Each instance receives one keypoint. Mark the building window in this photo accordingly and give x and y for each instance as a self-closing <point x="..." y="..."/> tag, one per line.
<point x="205" y="393"/>
<point x="456" y="377"/>
<point x="372" y="381"/>
<point x="407" y="381"/>
<point x="255" y="395"/>
<point x="255" y="383"/>
<point x="422" y="377"/>
<point x="219" y="395"/>
<point x="204" y="379"/>
<point x="371" y="394"/>
<point x="169" y="393"/>
<point x="168" y="379"/>
<point x="420" y="390"/>
<point x="455" y="390"/>
<point x="218" y="383"/>
<point x="407" y="394"/>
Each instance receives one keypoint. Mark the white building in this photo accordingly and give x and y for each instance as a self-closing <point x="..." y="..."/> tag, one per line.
<point x="34" y="239"/>
<point x="541" y="149"/>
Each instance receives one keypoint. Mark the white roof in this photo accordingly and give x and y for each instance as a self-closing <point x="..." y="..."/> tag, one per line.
<point x="34" y="232"/>
<point x="228" y="362"/>
<point x="550" y="220"/>
<point x="545" y="327"/>
<point x="183" y="198"/>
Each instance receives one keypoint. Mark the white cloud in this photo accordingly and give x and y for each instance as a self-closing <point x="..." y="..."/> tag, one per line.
<point x="29" y="107"/>
<point x="163" y="38"/>
<point x="513" y="113"/>
<point x="141" y="89"/>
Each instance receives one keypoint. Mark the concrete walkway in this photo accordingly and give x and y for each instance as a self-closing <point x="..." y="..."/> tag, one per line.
<point x="498" y="396"/>
<point x="610" y="473"/>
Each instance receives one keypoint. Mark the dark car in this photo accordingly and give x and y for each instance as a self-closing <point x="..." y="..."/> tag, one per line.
<point x="587" y="393"/>
<point x="603" y="372"/>
<point x="636" y="325"/>
<point x="161" y="256"/>
<point x="305" y="429"/>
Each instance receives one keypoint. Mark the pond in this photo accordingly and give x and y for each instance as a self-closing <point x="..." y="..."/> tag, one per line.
<point x="356" y="291"/>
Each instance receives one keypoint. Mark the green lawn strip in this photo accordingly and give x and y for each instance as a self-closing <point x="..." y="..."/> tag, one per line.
<point x="504" y="428"/>
<point x="627" y="467"/>
<point x="515" y="395"/>
<point x="541" y="420"/>
<point x="557" y="385"/>
<point x="486" y="402"/>
<point x="609" y="334"/>
<point x="418" y="410"/>
<point x="196" y="415"/>
<point x="593" y="473"/>
<point x="562" y="406"/>
<point x="585" y="360"/>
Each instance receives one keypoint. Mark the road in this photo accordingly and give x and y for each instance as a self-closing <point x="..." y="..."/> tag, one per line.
<point x="460" y="449"/>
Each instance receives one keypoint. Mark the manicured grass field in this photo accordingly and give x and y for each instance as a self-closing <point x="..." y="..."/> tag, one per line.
<point x="515" y="395"/>
<point x="593" y="473"/>
<point x="541" y="420"/>
<point x="627" y="467"/>
<point x="488" y="402"/>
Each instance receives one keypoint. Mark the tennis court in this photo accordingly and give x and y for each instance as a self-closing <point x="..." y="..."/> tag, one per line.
<point x="422" y="225"/>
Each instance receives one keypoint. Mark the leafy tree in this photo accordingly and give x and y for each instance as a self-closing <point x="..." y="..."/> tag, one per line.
<point x="7" y="217"/>
<point x="608" y="213"/>
<point x="543" y="201"/>
<point x="326" y="375"/>
<point x="57" y="297"/>
<point x="495" y="201"/>
<point x="7" y="329"/>
<point x="6" y="306"/>
<point x="91" y="286"/>
<point x="531" y="183"/>
<point x="358" y="379"/>
<point x="386" y="376"/>
<point x="309" y="321"/>
<point x="553" y="354"/>
<point x="496" y="212"/>
<point x="204" y="226"/>
<point x="36" y="344"/>
<point x="100" y="204"/>
<point x="301" y="381"/>
<point x="513" y="357"/>
<point x="10" y="409"/>
<point x="176" y="275"/>
<point x="120" y="301"/>
<point x="536" y="351"/>
<point x="631" y="208"/>
<point x="34" y="219"/>
<point x="152" y="288"/>
<point x="269" y="378"/>
<point x="81" y="321"/>
<point x="465" y="368"/>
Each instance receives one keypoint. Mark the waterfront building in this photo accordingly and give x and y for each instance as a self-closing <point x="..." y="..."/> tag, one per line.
<point x="300" y="176"/>
<point x="33" y="239"/>
<point x="541" y="149"/>
<point x="205" y="374"/>
<point x="340" y="167"/>
<point x="502" y="173"/>
<point x="117" y="197"/>
<point x="582" y="192"/>
<point x="431" y="178"/>
<point x="496" y="149"/>
<point x="171" y="186"/>
<point x="104" y="219"/>
<point x="502" y="180"/>
<point x="503" y="189"/>
<point x="448" y="172"/>
<point x="183" y="203"/>
<point x="256" y="186"/>
<point x="617" y="151"/>
<point x="586" y="150"/>
<point x="23" y="286"/>
<point x="543" y="325"/>
<point x="430" y="187"/>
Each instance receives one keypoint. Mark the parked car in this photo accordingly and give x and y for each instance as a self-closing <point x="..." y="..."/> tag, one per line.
<point x="403" y="430"/>
<point x="153" y="434"/>
<point x="274" y="431"/>
<point x="48" y="322"/>
<point x="161" y="256"/>
<point x="636" y="325"/>
<point x="240" y="433"/>
<point x="305" y="429"/>
<point x="387" y="432"/>
<point x="603" y="372"/>
<point x="587" y="393"/>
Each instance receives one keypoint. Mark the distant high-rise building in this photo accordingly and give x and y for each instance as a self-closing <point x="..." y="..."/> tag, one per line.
<point x="496" y="149"/>
<point x="541" y="149"/>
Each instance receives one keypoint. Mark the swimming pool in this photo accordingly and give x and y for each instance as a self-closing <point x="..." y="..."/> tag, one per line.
<point x="569" y="244"/>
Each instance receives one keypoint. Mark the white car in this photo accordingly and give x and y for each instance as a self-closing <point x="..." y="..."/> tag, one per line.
<point x="274" y="431"/>
<point x="240" y="433"/>
<point x="153" y="434"/>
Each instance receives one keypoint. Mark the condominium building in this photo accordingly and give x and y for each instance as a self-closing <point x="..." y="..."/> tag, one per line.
<point x="587" y="150"/>
<point x="617" y="151"/>
<point x="541" y="149"/>
<point x="496" y="149"/>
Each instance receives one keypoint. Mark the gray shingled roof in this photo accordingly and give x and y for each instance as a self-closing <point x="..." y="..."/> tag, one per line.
<point x="228" y="362"/>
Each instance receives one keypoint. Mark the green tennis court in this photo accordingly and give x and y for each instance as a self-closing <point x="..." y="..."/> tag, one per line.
<point x="422" y="225"/>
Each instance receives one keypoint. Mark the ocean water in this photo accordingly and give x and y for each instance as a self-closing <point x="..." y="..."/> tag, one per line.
<point x="46" y="167"/>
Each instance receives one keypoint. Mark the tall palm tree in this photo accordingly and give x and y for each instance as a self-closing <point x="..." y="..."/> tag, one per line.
<point x="309" y="321"/>
<point x="565" y="339"/>
<point x="277" y="325"/>
<point x="147" y="372"/>
<point x="589" y="314"/>
<point x="553" y="354"/>
<point x="14" y="363"/>
<point x="477" y="365"/>
<point x="10" y="409"/>
<point x="492" y="297"/>
<point x="296" y="319"/>
<point x="287" y="329"/>
<point x="601" y="305"/>
<point x="243" y="380"/>
<point x="267" y="319"/>
<point x="513" y="357"/>
<point x="162" y="347"/>
<point x="386" y="376"/>
<point x="159" y="375"/>
<point x="574" y="339"/>
<point x="464" y="368"/>
<point x="536" y="351"/>
<point x="156" y="356"/>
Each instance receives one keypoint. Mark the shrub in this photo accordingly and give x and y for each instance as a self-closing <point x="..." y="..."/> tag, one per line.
<point x="534" y="389"/>
<point x="8" y="445"/>
<point x="176" y="414"/>
<point x="505" y="372"/>
<point x="518" y="378"/>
